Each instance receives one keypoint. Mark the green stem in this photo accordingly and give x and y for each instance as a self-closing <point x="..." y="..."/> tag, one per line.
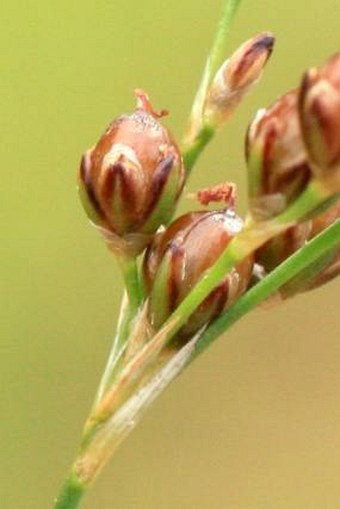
<point x="304" y="257"/>
<point x="129" y="269"/>
<point x="216" y="53"/>
<point x="217" y="50"/>
<point x="134" y="292"/>
<point x="116" y="349"/>
<point x="198" y="134"/>
<point x="194" y="150"/>
<point x="315" y="195"/>
<point x="127" y="313"/>
<point x="70" y="494"/>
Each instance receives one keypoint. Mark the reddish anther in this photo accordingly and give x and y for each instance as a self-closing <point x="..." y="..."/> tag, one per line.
<point x="225" y="192"/>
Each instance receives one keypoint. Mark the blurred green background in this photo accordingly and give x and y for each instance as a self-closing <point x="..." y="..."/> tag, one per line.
<point x="255" y="423"/>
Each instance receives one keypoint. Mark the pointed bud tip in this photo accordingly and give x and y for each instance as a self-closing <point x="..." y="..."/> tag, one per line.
<point x="267" y="39"/>
<point x="237" y="76"/>
<point x="331" y="69"/>
<point x="264" y="43"/>
<point x="247" y="63"/>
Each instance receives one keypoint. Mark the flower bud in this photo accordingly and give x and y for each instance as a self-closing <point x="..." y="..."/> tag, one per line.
<point x="277" y="160"/>
<point x="130" y="181"/>
<point x="236" y="77"/>
<point x="178" y="259"/>
<point x="324" y="269"/>
<point x="319" y="107"/>
<point x="279" y="248"/>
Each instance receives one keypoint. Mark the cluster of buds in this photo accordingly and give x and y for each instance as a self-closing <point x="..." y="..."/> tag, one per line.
<point x="288" y="145"/>
<point x="198" y="267"/>
<point x="130" y="181"/>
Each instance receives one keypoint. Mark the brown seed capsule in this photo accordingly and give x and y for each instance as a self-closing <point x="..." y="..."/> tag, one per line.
<point x="178" y="259"/>
<point x="131" y="180"/>
<point x="279" y="171"/>
<point x="287" y="145"/>
<point x="237" y="76"/>
<point x="278" y="167"/>
<point x="325" y="269"/>
<point x="319" y="106"/>
<point x="278" y="249"/>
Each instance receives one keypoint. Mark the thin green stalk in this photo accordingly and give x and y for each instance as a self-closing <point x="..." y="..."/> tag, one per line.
<point x="216" y="53"/>
<point x="217" y="50"/>
<point x="192" y="153"/>
<point x="198" y="135"/>
<point x="116" y="349"/>
<point x="129" y="269"/>
<point x="304" y="257"/>
<point x="128" y="311"/>
<point x="73" y="489"/>
<point x="130" y="304"/>
<point x="315" y="195"/>
<point x="70" y="494"/>
<point x="116" y="428"/>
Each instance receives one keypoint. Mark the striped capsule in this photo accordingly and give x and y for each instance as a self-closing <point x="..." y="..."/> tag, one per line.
<point x="179" y="258"/>
<point x="319" y="109"/>
<point x="130" y="181"/>
<point x="278" y="166"/>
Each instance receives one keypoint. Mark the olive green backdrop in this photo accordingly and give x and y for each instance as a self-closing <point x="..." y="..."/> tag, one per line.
<point x="255" y="423"/>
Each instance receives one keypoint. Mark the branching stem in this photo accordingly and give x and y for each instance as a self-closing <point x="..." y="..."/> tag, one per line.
<point x="300" y="260"/>
<point x="129" y="270"/>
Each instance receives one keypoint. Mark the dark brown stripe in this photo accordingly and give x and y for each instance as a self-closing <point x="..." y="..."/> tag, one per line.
<point x="85" y="176"/>
<point x="177" y="257"/>
<point x="159" y="181"/>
